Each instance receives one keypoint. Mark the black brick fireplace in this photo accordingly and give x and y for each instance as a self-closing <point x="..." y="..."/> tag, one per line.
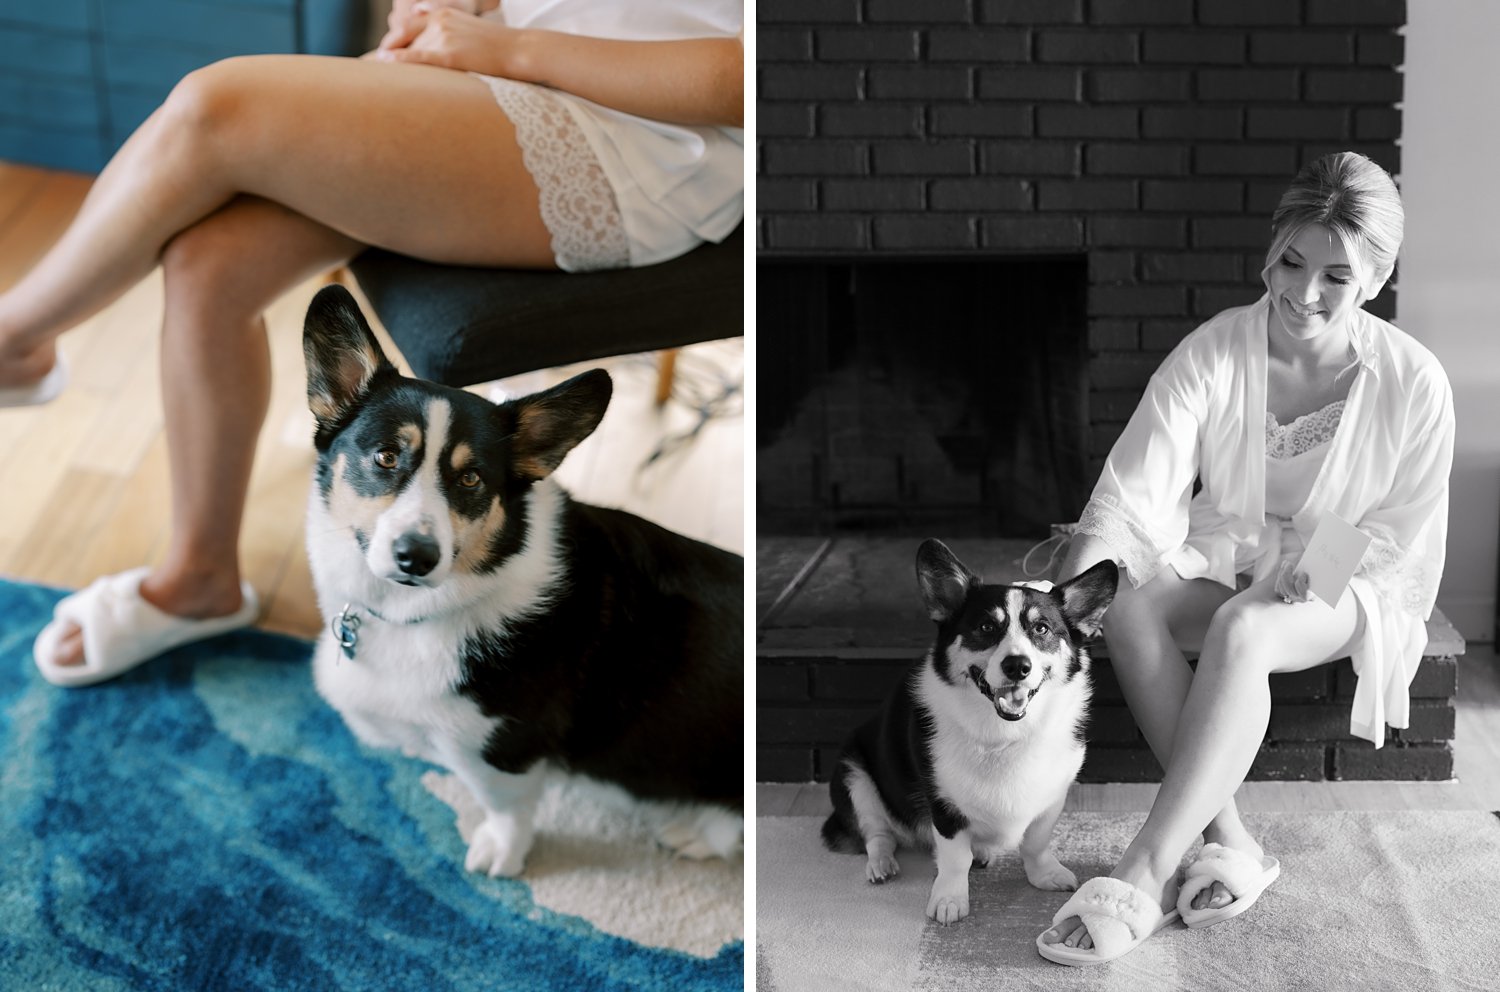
<point x="921" y="396"/>
<point x="1150" y="137"/>
<point x="1146" y="142"/>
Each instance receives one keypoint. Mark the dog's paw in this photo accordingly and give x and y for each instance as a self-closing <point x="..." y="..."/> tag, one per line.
<point x="709" y="833"/>
<point x="499" y="847"/>
<point x="881" y="867"/>
<point x="1050" y="874"/>
<point x="684" y="838"/>
<point x="948" y="903"/>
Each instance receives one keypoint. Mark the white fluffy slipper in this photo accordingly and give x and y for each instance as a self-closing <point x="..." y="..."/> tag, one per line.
<point x="1119" y="918"/>
<point x="121" y="630"/>
<point x="1244" y="876"/>
<point x="44" y="390"/>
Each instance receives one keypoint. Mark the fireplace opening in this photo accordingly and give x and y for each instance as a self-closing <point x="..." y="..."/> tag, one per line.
<point x="922" y="397"/>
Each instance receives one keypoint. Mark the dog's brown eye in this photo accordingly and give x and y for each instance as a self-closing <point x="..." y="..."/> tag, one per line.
<point x="988" y="627"/>
<point x="1041" y="630"/>
<point x="387" y="458"/>
<point x="469" y="480"/>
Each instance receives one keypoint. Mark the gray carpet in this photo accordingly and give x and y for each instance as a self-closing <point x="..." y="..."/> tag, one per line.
<point x="1370" y="901"/>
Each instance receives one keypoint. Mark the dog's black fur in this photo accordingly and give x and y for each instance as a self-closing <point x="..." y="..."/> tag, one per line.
<point x="974" y="750"/>
<point x="629" y="668"/>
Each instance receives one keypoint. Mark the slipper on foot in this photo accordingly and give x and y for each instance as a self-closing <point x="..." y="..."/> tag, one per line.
<point x="44" y="390"/>
<point x="1245" y="877"/>
<point x="121" y="630"/>
<point x="1119" y="918"/>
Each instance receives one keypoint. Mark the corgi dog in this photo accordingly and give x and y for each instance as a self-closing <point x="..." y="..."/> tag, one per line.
<point x="973" y="753"/>
<point x="480" y="619"/>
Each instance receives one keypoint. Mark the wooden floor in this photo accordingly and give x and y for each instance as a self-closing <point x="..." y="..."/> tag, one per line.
<point x="83" y="480"/>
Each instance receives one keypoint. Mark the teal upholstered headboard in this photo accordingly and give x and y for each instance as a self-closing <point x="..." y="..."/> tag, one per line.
<point x="78" y="76"/>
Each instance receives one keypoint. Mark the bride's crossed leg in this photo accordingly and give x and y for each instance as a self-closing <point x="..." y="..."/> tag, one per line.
<point x="1204" y="728"/>
<point x="256" y="174"/>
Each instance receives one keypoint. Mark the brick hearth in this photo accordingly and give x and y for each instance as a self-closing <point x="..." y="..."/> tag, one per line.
<point x="840" y="621"/>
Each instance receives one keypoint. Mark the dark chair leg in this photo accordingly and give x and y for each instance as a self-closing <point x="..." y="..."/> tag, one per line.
<point x="666" y="368"/>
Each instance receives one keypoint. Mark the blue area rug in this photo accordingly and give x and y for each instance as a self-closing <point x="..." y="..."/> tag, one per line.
<point x="207" y="822"/>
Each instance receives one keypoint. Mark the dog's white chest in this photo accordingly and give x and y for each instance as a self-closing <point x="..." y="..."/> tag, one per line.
<point x="1001" y="790"/>
<point x="1000" y="776"/>
<point x="397" y="691"/>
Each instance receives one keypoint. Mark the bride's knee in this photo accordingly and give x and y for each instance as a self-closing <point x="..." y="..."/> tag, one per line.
<point x="202" y="257"/>
<point x="210" y="101"/>
<point x="1240" y="634"/>
<point x="213" y="265"/>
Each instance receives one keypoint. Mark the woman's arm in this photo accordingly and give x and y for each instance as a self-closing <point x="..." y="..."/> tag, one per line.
<point x="693" y="81"/>
<point x="1084" y="551"/>
<point x="1409" y="526"/>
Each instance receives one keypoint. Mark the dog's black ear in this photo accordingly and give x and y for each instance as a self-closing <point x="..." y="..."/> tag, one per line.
<point x="550" y="424"/>
<point x="944" y="580"/>
<point x="341" y="351"/>
<point x="1085" y="597"/>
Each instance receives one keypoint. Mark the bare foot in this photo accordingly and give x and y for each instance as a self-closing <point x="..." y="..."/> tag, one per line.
<point x="1071" y="932"/>
<point x="198" y="599"/>
<point x="1216" y="896"/>
<point x="21" y="366"/>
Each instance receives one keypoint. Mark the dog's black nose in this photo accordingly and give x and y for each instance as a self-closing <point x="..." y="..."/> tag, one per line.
<point x="1016" y="667"/>
<point x="415" y="554"/>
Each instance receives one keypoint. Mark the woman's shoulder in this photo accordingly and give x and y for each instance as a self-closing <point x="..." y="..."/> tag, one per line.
<point x="1216" y="338"/>
<point x="1397" y="353"/>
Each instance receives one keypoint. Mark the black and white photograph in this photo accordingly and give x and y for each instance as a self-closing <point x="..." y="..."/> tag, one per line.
<point x="1126" y="498"/>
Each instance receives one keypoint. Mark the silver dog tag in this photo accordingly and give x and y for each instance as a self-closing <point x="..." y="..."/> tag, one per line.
<point x="346" y="629"/>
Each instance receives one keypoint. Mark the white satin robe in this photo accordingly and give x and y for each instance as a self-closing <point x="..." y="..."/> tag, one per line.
<point x="1386" y="472"/>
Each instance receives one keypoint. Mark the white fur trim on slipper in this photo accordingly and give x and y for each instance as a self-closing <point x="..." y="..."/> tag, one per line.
<point x="1244" y="876"/>
<point x="44" y="390"/>
<point x="121" y="630"/>
<point x="1119" y="917"/>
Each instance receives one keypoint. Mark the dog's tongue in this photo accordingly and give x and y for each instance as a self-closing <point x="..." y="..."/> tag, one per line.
<point x="1012" y="701"/>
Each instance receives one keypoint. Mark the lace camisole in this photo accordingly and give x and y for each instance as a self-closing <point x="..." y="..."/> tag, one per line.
<point x="1294" y="456"/>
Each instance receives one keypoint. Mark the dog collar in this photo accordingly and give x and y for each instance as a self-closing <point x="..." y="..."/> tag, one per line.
<point x="346" y="626"/>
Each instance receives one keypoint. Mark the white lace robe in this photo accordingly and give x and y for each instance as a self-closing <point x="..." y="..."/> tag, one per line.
<point x="1386" y="472"/>
<point x="666" y="178"/>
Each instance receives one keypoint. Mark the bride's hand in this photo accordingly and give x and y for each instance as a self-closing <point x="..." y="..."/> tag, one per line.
<point x="1292" y="586"/>
<point x="409" y="17"/>
<point x="454" y="39"/>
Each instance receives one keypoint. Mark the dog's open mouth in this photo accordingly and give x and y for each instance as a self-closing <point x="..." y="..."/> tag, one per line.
<point x="1011" y="701"/>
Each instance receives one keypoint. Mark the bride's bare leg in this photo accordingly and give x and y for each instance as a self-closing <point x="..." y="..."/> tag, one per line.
<point x="1222" y="722"/>
<point x="293" y="163"/>
<point x="408" y="157"/>
<point x="220" y="275"/>
<point x="1147" y="629"/>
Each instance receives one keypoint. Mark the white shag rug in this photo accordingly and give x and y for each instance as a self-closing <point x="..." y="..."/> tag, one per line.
<point x="596" y="857"/>
<point x="1366" y="902"/>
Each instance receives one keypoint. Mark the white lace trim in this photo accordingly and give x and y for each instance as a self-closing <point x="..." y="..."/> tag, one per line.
<point x="1303" y="434"/>
<point x="1129" y="542"/>
<point x="577" y="203"/>
<point x="1397" y="575"/>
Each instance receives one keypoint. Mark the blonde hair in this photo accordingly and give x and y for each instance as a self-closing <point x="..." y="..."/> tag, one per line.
<point x="1355" y="199"/>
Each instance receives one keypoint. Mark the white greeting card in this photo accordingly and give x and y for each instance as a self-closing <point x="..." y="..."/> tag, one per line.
<point x="1332" y="556"/>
